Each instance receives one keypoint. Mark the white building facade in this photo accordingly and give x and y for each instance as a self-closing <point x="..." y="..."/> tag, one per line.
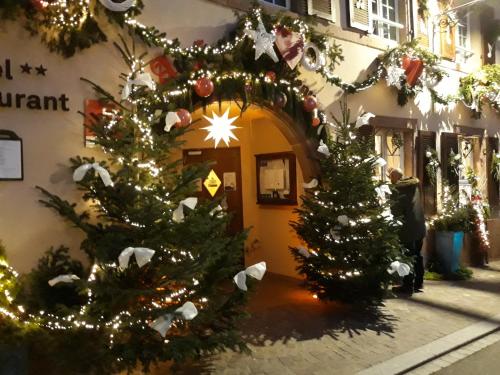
<point x="364" y="29"/>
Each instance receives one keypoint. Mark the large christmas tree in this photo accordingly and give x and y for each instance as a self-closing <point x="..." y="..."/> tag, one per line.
<point x="160" y="286"/>
<point x="346" y="222"/>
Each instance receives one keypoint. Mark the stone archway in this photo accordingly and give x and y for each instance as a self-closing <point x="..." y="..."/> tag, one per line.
<point x="303" y="147"/>
<point x="263" y="130"/>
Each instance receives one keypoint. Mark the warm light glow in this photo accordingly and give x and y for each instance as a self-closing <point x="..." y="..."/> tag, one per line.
<point x="221" y="128"/>
<point x="315" y="296"/>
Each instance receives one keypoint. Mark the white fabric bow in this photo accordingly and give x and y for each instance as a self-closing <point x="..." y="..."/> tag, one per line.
<point x="303" y="251"/>
<point x="63" y="279"/>
<point x="142" y="79"/>
<point x="257" y="271"/>
<point x="188" y="311"/>
<point x="401" y="268"/>
<point x="387" y="215"/>
<point x="178" y="215"/>
<point x="323" y="148"/>
<point x="82" y="170"/>
<point x="162" y="324"/>
<point x="343" y="219"/>
<point x="311" y="185"/>
<point x="117" y="7"/>
<point x="170" y="120"/>
<point x="364" y="119"/>
<point x="217" y="211"/>
<point x="334" y="232"/>
<point x="380" y="162"/>
<point x="381" y="191"/>
<point x="143" y="255"/>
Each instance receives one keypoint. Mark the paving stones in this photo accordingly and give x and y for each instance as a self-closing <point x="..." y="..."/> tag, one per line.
<point x="292" y="333"/>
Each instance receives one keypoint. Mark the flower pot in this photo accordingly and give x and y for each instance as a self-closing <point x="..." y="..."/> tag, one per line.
<point x="449" y="248"/>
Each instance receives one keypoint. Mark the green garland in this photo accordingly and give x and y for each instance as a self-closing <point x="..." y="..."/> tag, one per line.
<point x="455" y="162"/>
<point x="236" y="75"/>
<point x="393" y="57"/>
<point x="432" y="164"/>
<point x="431" y="73"/>
<point x="481" y="87"/>
<point x="423" y="9"/>
<point x="65" y="27"/>
<point x="67" y="37"/>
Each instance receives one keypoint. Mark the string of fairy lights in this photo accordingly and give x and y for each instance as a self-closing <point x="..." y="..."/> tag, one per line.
<point x="122" y="319"/>
<point x="72" y="15"/>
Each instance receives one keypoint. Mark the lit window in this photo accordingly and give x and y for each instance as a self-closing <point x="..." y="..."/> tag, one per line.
<point x="385" y="19"/>
<point x="390" y="145"/>
<point x="280" y="3"/>
<point x="467" y="147"/>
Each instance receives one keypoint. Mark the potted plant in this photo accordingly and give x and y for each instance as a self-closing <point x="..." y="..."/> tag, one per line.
<point x="449" y="226"/>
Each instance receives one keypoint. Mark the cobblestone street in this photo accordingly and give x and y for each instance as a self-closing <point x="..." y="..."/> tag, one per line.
<point x="292" y="333"/>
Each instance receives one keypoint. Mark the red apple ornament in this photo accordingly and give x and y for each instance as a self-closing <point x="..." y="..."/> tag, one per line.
<point x="310" y="103"/>
<point x="204" y="87"/>
<point x="185" y="118"/>
<point x="271" y="76"/>
<point x="280" y="100"/>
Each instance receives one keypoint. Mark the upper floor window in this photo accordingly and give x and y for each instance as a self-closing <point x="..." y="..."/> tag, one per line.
<point x="280" y="3"/>
<point x="384" y="17"/>
<point x="462" y="40"/>
<point x="462" y="33"/>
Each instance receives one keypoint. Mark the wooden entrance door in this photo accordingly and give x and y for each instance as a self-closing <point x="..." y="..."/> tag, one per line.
<point x="226" y="164"/>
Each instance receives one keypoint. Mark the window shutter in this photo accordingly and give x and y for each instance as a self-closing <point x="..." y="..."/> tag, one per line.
<point x="449" y="141"/>
<point x="488" y="27"/>
<point x="299" y="6"/>
<point x="426" y="139"/>
<point x="359" y="14"/>
<point x="493" y="185"/>
<point x="366" y="131"/>
<point x="322" y="8"/>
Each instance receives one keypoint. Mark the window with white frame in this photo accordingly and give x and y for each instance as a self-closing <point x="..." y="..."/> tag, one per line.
<point x="462" y="40"/>
<point x="280" y="3"/>
<point x="384" y="18"/>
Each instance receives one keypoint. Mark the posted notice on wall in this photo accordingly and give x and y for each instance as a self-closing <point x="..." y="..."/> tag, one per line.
<point x="11" y="159"/>
<point x="229" y="181"/>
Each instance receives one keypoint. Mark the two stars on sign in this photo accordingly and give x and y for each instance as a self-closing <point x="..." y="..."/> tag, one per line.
<point x="40" y="70"/>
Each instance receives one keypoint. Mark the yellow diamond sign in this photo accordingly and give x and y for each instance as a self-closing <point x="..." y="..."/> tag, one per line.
<point x="212" y="183"/>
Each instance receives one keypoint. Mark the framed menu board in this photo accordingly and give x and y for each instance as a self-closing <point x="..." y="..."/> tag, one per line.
<point x="276" y="179"/>
<point x="11" y="156"/>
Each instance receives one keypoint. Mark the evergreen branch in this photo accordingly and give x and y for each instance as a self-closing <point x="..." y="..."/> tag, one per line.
<point x="66" y="210"/>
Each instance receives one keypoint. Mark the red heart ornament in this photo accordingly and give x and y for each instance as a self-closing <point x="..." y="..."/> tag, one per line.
<point x="413" y="69"/>
<point x="291" y="46"/>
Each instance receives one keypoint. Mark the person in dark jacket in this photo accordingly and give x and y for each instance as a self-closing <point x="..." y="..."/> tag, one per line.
<point x="407" y="207"/>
